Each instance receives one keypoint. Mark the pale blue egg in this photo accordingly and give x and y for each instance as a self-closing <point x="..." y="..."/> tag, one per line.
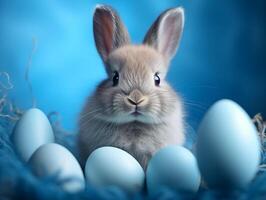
<point x="110" y="166"/>
<point x="31" y="131"/>
<point x="55" y="160"/>
<point x="228" y="147"/>
<point x="174" y="167"/>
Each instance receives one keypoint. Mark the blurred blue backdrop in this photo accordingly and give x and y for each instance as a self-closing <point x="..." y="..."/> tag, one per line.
<point x="222" y="52"/>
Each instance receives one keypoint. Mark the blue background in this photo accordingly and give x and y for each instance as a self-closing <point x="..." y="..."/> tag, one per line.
<point x="222" y="52"/>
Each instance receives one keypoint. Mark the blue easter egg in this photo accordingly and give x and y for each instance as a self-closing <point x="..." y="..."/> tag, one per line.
<point x="31" y="131"/>
<point x="174" y="167"/>
<point x="55" y="160"/>
<point x="228" y="147"/>
<point x="110" y="166"/>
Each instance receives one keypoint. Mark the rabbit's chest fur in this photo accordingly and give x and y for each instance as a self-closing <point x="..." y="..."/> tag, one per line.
<point x="138" y="139"/>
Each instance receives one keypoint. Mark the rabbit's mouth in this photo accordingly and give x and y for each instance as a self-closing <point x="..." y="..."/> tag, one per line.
<point x="136" y="113"/>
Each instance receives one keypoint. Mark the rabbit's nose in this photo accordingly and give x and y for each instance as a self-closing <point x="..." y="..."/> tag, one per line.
<point x="133" y="102"/>
<point x="136" y="98"/>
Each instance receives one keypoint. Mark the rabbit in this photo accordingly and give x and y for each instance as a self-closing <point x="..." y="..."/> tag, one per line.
<point x="134" y="108"/>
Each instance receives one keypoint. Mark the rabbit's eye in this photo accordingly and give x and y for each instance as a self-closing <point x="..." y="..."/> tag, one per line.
<point x="115" y="78"/>
<point x="157" y="79"/>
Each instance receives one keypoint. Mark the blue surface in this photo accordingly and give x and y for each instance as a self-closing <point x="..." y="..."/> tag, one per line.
<point x="222" y="53"/>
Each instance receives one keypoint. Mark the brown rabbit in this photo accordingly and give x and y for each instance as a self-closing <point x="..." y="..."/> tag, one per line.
<point x="134" y="109"/>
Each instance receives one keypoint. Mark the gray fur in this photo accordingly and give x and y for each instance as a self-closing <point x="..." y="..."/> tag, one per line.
<point x="106" y="119"/>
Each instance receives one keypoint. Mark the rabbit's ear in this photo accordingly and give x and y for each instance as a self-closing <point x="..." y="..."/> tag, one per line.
<point x="165" y="33"/>
<point x="109" y="31"/>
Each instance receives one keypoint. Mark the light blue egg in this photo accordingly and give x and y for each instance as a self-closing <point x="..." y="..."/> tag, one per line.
<point x="31" y="131"/>
<point x="228" y="147"/>
<point x="174" y="167"/>
<point x="55" y="160"/>
<point x="110" y="166"/>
